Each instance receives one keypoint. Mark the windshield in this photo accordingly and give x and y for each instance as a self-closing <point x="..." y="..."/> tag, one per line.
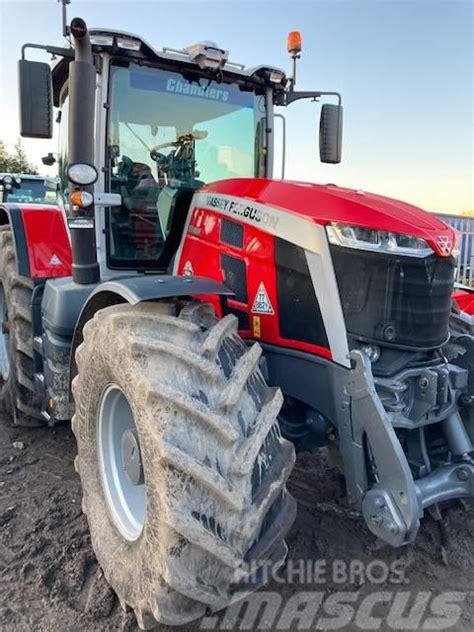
<point x="32" y="192"/>
<point x="167" y="135"/>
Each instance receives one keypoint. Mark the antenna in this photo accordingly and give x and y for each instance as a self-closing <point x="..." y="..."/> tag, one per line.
<point x="64" y="11"/>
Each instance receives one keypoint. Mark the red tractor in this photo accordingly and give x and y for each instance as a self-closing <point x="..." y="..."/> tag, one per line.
<point x="197" y="319"/>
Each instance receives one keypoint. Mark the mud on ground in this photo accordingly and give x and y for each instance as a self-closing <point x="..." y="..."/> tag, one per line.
<point x="49" y="579"/>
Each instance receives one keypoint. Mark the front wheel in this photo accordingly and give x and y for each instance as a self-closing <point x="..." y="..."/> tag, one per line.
<point x="181" y="459"/>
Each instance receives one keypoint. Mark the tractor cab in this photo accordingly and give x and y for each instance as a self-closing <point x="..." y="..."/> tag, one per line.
<point x="169" y="133"/>
<point x="160" y="124"/>
<point x="22" y="188"/>
<point x="166" y="123"/>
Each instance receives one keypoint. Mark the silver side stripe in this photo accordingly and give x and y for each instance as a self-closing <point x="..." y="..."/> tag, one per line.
<point x="325" y="286"/>
<point x="299" y="231"/>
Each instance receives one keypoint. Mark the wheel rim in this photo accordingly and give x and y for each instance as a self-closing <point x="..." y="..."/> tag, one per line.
<point x="4" y="337"/>
<point x="120" y="463"/>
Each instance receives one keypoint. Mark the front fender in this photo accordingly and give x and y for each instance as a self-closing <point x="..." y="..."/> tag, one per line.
<point x="136" y="289"/>
<point x="40" y="238"/>
<point x="465" y="300"/>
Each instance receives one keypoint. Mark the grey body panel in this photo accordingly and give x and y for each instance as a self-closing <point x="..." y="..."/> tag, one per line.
<point x="308" y="378"/>
<point x="62" y="303"/>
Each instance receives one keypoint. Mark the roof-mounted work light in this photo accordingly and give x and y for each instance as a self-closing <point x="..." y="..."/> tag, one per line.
<point x="82" y="174"/>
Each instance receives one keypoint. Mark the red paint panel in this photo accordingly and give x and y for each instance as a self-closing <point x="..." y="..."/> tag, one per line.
<point x="465" y="301"/>
<point x="49" y="248"/>
<point x="329" y="203"/>
<point x="203" y="248"/>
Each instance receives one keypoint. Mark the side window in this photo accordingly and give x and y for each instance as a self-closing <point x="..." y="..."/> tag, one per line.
<point x="259" y="153"/>
<point x="63" y="147"/>
<point x="136" y="232"/>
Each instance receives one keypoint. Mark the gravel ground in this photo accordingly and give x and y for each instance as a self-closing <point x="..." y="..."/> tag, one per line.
<point x="49" y="579"/>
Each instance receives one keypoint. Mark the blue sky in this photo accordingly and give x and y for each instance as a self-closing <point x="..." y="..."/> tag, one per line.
<point x="405" y="69"/>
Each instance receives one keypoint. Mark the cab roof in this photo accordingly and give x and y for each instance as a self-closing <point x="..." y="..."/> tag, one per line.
<point x="170" y="58"/>
<point x="23" y="176"/>
<point x="180" y="55"/>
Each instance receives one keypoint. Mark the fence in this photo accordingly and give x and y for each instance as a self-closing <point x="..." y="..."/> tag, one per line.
<point x="465" y="228"/>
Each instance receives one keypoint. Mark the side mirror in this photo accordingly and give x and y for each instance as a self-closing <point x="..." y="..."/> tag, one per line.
<point x="36" y="99"/>
<point x="330" y="133"/>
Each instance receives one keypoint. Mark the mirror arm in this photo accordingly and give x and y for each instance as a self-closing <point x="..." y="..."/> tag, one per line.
<point x="54" y="50"/>
<point x="107" y="199"/>
<point x="291" y="97"/>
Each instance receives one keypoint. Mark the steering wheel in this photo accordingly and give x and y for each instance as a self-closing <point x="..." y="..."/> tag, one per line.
<point x="158" y="157"/>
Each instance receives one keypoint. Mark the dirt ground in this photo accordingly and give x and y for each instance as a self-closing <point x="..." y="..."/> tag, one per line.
<point x="49" y="579"/>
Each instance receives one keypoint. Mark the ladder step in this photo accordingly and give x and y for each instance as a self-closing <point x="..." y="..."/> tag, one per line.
<point x="38" y="344"/>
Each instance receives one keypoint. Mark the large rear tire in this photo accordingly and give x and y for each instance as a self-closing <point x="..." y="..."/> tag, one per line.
<point x="18" y="397"/>
<point x="181" y="459"/>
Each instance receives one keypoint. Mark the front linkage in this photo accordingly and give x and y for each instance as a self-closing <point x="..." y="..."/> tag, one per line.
<point x="407" y="442"/>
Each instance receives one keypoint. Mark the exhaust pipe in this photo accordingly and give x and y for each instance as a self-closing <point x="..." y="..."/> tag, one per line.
<point x="82" y="81"/>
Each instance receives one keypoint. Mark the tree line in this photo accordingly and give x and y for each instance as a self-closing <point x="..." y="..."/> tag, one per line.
<point x="15" y="161"/>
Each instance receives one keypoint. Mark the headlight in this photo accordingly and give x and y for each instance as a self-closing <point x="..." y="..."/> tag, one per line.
<point x="7" y="179"/>
<point x="97" y="39"/>
<point x="377" y="240"/>
<point x="128" y="44"/>
<point x="276" y="76"/>
<point x="82" y="174"/>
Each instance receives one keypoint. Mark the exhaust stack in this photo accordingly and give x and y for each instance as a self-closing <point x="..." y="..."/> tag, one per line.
<point x="82" y="80"/>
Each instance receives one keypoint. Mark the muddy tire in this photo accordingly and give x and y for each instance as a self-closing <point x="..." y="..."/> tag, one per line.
<point x="214" y="464"/>
<point x="18" y="397"/>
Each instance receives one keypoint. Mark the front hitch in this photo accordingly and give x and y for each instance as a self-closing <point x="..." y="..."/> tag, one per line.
<point x="392" y="501"/>
<point x="391" y="508"/>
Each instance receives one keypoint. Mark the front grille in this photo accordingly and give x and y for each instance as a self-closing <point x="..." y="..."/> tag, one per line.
<point x="403" y="301"/>
<point x="300" y="315"/>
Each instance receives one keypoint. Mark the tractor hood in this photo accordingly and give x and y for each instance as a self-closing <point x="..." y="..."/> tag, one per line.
<point x="329" y="203"/>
